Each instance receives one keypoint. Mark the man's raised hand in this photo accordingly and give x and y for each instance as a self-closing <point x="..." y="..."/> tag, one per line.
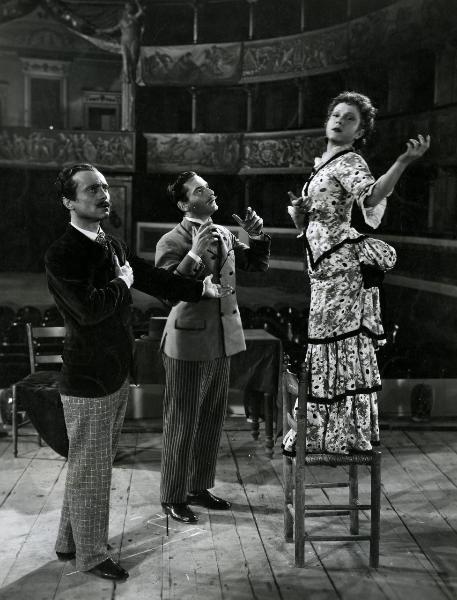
<point x="252" y="223"/>
<point x="214" y="290"/>
<point x="204" y="237"/>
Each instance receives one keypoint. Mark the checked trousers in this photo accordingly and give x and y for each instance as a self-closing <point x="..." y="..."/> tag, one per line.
<point x="94" y="427"/>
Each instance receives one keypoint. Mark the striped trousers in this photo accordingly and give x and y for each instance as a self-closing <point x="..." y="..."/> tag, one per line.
<point x="94" y="427"/>
<point x="195" y="404"/>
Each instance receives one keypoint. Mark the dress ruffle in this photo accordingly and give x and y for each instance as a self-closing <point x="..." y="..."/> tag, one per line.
<point x="341" y="428"/>
<point x="342" y="368"/>
<point x="376" y="253"/>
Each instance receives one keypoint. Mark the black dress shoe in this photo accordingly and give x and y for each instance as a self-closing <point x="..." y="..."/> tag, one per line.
<point x="66" y="555"/>
<point x="109" y="569"/>
<point x="208" y="500"/>
<point x="179" y="512"/>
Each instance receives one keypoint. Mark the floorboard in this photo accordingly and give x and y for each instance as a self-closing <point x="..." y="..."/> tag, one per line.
<point x="238" y="554"/>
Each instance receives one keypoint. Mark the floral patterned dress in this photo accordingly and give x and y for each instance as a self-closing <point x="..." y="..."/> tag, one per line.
<point x="345" y="318"/>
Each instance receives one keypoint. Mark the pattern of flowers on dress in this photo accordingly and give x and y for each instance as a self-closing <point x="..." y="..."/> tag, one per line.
<point x="345" y="326"/>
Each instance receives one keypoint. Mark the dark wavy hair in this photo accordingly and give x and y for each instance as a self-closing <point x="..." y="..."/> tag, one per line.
<point x="65" y="185"/>
<point x="366" y="109"/>
<point x="176" y="191"/>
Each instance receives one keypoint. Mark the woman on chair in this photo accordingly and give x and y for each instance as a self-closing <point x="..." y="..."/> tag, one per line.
<point x="344" y="267"/>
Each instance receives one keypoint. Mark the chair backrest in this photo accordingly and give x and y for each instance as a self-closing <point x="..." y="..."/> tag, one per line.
<point x="45" y="346"/>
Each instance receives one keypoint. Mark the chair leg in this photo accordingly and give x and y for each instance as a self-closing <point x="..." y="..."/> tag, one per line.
<point x="14" y="421"/>
<point x="253" y="403"/>
<point x="354" y="498"/>
<point x="287" y="469"/>
<point x="299" y="520"/>
<point x="268" y="412"/>
<point x="375" y="509"/>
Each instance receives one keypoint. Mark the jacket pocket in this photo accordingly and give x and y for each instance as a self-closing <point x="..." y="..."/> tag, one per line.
<point x="190" y="324"/>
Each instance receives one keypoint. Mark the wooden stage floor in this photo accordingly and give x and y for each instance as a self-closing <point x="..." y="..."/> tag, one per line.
<point x="239" y="554"/>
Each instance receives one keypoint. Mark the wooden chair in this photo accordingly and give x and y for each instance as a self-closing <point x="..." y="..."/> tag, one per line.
<point x="45" y="350"/>
<point x="296" y="508"/>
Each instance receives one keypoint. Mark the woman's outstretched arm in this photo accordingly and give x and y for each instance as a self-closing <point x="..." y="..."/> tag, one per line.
<point x="387" y="182"/>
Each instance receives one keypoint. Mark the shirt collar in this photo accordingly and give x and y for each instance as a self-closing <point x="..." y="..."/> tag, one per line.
<point x="199" y="221"/>
<point x="90" y="234"/>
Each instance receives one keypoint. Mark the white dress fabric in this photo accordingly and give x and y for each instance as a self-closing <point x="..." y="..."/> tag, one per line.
<point x="345" y="324"/>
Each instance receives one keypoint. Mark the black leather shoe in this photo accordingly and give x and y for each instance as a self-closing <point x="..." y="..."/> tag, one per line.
<point x="109" y="569"/>
<point x="66" y="555"/>
<point x="208" y="500"/>
<point x="179" y="512"/>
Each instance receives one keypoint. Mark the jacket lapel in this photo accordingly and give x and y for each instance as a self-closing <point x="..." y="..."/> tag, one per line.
<point x="88" y="250"/>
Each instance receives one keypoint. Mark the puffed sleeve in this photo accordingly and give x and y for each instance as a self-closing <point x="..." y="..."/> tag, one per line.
<point x="355" y="177"/>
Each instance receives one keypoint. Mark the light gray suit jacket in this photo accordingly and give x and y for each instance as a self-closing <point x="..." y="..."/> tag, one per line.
<point x="212" y="327"/>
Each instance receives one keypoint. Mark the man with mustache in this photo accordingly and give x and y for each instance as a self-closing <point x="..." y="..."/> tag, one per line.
<point x="198" y="342"/>
<point x="90" y="275"/>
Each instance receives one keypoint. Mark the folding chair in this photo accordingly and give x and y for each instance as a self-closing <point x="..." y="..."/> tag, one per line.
<point x="38" y="394"/>
<point x="296" y="508"/>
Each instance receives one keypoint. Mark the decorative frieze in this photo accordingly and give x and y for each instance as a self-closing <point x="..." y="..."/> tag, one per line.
<point x="205" y="152"/>
<point x="290" y="152"/>
<point x="251" y="153"/>
<point x="37" y="67"/>
<point x="105" y="98"/>
<point x="304" y="54"/>
<point x="53" y="148"/>
<point x="414" y="24"/>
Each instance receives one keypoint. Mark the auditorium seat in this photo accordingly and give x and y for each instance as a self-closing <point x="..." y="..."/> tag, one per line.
<point x="52" y="317"/>
<point x="7" y="315"/>
<point x="29" y="314"/>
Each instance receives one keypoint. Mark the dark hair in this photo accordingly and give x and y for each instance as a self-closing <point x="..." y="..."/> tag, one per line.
<point x="65" y="185"/>
<point x="365" y="107"/>
<point x="176" y="191"/>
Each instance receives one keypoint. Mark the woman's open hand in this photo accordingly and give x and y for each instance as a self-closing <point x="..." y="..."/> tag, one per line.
<point x="298" y="209"/>
<point x="415" y="149"/>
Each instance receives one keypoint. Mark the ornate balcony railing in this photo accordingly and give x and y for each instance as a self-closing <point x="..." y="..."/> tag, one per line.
<point x="411" y="24"/>
<point x="245" y="154"/>
<point x="24" y="146"/>
<point x="242" y="153"/>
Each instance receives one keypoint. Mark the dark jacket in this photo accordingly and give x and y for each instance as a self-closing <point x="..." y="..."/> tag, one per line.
<point x="95" y="305"/>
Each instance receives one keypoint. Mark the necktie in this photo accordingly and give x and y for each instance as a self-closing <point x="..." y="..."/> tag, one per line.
<point x="101" y="239"/>
<point x="106" y="245"/>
